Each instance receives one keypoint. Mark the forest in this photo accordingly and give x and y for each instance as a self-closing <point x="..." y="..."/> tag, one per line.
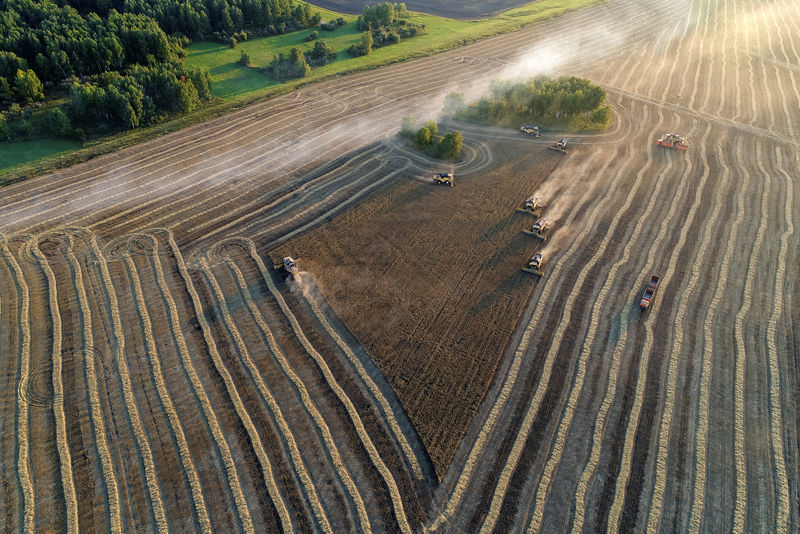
<point x="118" y="63"/>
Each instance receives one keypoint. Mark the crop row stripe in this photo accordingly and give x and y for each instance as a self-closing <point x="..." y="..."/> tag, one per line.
<point x="62" y="445"/>
<point x="740" y="507"/>
<point x="145" y="453"/>
<point x="255" y="439"/>
<point x="377" y="461"/>
<point x="775" y="412"/>
<point x="226" y="377"/>
<point x="96" y="410"/>
<point x="242" y="512"/>
<point x="665" y="423"/>
<point x="23" y="458"/>
<point x="698" y="503"/>
<point x="297" y="460"/>
<point x="377" y="394"/>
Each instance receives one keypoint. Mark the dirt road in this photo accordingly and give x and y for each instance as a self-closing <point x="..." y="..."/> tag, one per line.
<point x="159" y="380"/>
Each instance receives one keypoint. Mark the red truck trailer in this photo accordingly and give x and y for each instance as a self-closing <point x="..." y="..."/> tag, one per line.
<point x="647" y="298"/>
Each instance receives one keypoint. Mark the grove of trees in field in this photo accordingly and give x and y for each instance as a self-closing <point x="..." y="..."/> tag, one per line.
<point x="427" y="139"/>
<point x="568" y="99"/>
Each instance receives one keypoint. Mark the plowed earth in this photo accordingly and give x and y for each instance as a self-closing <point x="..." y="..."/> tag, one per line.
<point x="156" y="380"/>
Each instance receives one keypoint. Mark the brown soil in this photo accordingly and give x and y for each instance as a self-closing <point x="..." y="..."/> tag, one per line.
<point x="429" y="280"/>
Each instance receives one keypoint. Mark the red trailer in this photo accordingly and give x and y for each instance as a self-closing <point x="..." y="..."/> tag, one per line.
<point x="647" y="298"/>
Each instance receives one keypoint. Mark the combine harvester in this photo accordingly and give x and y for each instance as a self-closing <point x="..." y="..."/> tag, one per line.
<point x="673" y="141"/>
<point x="531" y="207"/>
<point x="534" y="265"/>
<point x="538" y="229"/>
<point x="649" y="292"/>
<point x="529" y="129"/>
<point x="560" y="145"/>
<point x="444" y="178"/>
<point x="289" y="265"/>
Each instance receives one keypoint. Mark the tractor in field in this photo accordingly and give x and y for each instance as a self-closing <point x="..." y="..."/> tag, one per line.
<point x="444" y="178"/>
<point x="538" y="229"/>
<point x="289" y="265"/>
<point x="560" y="145"/>
<point x="531" y="207"/>
<point x="673" y="141"/>
<point x="534" y="265"/>
<point x="529" y="129"/>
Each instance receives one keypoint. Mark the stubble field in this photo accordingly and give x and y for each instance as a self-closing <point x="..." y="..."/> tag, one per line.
<point x="157" y="375"/>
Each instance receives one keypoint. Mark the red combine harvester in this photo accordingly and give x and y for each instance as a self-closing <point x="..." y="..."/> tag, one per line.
<point x="672" y="140"/>
<point x="647" y="298"/>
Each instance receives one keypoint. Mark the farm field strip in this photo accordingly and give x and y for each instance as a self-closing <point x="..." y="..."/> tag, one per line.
<point x="97" y="193"/>
<point x="380" y="399"/>
<point x="621" y="482"/>
<point x="176" y="428"/>
<point x="277" y="497"/>
<point x="671" y="422"/>
<point x="534" y="407"/>
<point x="372" y="452"/>
<point x="286" y="433"/>
<point x="596" y="314"/>
<point x="457" y="493"/>
<point x="776" y="417"/>
<point x="21" y="430"/>
<point x="156" y="504"/>
<point x="64" y="456"/>
<point x="740" y="510"/>
<point x="211" y="419"/>
<point x="286" y="522"/>
<point x="594" y="457"/>
<point x="96" y="410"/>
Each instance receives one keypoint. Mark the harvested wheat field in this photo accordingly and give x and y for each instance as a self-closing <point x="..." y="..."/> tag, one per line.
<point x="157" y="374"/>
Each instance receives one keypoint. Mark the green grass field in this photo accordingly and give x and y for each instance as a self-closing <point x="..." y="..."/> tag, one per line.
<point x="12" y="154"/>
<point x="230" y="80"/>
<point x="237" y="86"/>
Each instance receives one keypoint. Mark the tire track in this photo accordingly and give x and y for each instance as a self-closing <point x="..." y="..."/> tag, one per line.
<point x="21" y="430"/>
<point x="375" y="458"/>
<point x="62" y="446"/>
<point x="176" y="428"/>
<point x="145" y="453"/>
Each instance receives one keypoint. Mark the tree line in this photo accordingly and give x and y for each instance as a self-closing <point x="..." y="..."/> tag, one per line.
<point x="119" y="62"/>
<point x="566" y="99"/>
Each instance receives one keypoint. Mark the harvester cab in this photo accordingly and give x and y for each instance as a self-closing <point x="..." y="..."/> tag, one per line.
<point x="529" y="129"/>
<point x="531" y="207"/>
<point x="538" y="229"/>
<point x="534" y="265"/>
<point x="444" y="178"/>
<point x="673" y="141"/>
<point x="289" y="265"/>
<point x="560" y="145"/>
